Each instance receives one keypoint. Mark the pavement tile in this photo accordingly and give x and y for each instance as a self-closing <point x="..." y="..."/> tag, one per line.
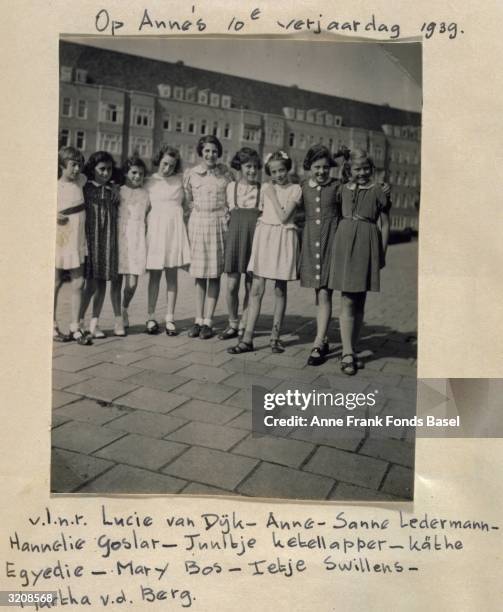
<point x="212" y="346"/>
<point x="210" y="392"/>
<point x="400" y="482"/>
<point x="123" y="357"/>
<point x="102" y="389"/>
<point x="276" y="481"/>
<point x="348" y="467"/>
<point x="394" y="451"/>
<point x="241" y="381"/>
<point x="400" y="394"/>
<point x="161" y="364"/>
<point x="69" y="363"/>
<point x="409" y="382"/>
<point x="400" y="410"/>
<point x="204" y="373"/>
<point x="158" y="350"/>
<point x="72" y="349"/>
<point x="247" y="367"/>
<point x="70" y="470"/>
<point x="61" y="398"/>
<point x="154" y="400"/>
<point x="242" y="399"/>
<point x="195" y="488"/>
<point x="89" y="411"/>
<point x="61" y="379"/>
<point x="147" y="423"/>
<point x="209" y="359"/>
<point x="127" y="479"/>
<point x="347" y="439"/>
<point x="211" y="467"/>
<point x="347" y="384"/>
<point x="58" y="419"/>
<point x="277" y="450"/>
<point x="111" y="371"/>
<point x="157" y="380"/>
<point x="348" y="492"/>
<point x="285" y="361"/>
<point x="243" y="421"/>
<point x="198" y="410"/>
<point x="82" y="437"/>
<point x="401" y="369"/>
<point x="207" y="434"/>
<point x="141" y="451"/>
<point x="295" y="374"/>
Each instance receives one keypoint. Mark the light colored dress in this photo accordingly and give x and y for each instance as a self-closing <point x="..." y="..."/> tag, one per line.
<point x="133" y="208"/>
<point x="206" y="189"/>
<point x="276" y="244"/>
<point x="167" y="242"/>
<point x="71" y="247"/>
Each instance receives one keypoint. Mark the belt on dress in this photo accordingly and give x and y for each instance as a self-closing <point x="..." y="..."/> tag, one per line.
<point x="359" y="218"/>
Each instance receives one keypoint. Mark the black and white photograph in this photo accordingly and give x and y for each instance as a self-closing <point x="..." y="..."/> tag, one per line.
<point x="235" y="298"/>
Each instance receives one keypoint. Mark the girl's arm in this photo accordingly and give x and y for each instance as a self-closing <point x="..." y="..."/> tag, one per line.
<point x="285" y="212"/>
<point x="188" y="201"/>
<point x="384" y="230"/>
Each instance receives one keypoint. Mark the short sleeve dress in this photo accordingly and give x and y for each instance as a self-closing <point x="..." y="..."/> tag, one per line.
<point x="357" y="256"/>
<point x="71" y="248"/>
<point x="134" y="204"/>
<point x="275" y="244"/>
<point x="322" y="212"/>
<point x="206" y="189"/>
<point x="167" y="241"/>
<point x="102" y="210"/>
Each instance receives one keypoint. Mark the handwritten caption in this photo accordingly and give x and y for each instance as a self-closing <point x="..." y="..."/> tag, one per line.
<point x="172" y="558"/>
<point x="193" y="22"/>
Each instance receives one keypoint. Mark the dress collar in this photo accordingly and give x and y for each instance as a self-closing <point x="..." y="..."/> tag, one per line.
<point x="312" y="183"/>
<point x="353" y="186"/>
<point x="218" y="170"/>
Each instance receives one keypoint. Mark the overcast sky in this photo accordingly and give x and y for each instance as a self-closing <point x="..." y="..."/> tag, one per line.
<point x="379" y="73"/>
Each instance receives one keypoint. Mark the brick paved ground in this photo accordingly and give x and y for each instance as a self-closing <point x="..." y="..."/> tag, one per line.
<point x="150" y="414"/>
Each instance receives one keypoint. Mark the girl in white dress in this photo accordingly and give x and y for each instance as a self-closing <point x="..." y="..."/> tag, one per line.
<point x="167" y="242"/>
<point x="133" y="210"/>
<point x="70" y="239"/>
<point x="275" y="249"/>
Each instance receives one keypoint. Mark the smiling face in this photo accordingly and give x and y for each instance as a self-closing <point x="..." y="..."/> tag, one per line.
<point x="361" y="171"/>
<point x="209" y="155"/>
<point x="249" y="172"/>
<point x="134" y="177"/>
<point x="103" y="172"/>
<point x="278" y="172"/>
<point x="167" y="165"/>
<point x="320" y="170"/>
<point x="71" y="171"/>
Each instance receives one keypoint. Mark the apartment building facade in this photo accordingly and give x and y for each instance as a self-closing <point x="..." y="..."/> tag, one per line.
<point x="123" y="104"/>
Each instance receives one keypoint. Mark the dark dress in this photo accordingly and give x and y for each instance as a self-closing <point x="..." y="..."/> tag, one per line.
<point x="322" y="213"/>
<point x="357" y="256"/>
<point x="239" y="238"/>
<point x="102" y="206"/>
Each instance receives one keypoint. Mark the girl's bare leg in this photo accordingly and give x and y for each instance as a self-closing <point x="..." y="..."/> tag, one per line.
<point x="233" y="282"/>
<point x="77" y="284"/>
<point x="347" y="323"/>
<point x="248" y="285"/>
<point x="87" y="293"/>
<point x="323" y="315"/>
<point x="280" y="292"/>
<point x="256" y="295"/>
<point x="99" y="297"/>
<point x="115" y="295"/>
<point x="200" y="299"/>
<point x="129" y="290"/>
<point x="58" y="283"/>
<point x="154" y="280"/>
<point x="171" y="292"/>
<point x="211" y="300"/>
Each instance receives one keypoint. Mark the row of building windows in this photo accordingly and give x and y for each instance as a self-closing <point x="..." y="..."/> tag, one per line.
<point x="70" y="107"/>
<point x="403" y="200"/>
<point x="404" y="157"/>
<point x="397" y="178"/>
<point x="77" y="139"/>
<point x="194" y="95"/>
<point x="313" y="115"/>
<point x="401" y="223"/>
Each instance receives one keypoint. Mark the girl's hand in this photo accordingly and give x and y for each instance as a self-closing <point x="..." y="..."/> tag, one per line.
<point x="62" y="219"/>
<point x="386" y="189"/>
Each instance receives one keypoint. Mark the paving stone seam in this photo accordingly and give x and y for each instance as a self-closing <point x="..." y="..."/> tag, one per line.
<point x="180" y="454"/>
<point x="107" y="444"/>
<point x="385" y="476"/>
<point x="332" y="490"/>
<point x="249" y="475"/>
<point x="90" y="481"/>
<point x="77" y="398"/>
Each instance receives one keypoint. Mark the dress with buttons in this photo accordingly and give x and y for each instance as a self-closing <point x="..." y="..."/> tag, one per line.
<point x="322" y="214"/>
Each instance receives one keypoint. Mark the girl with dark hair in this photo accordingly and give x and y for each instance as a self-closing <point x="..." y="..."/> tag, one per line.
<point x="167" y="242"/>
<point x="101" y="196"/>
<point x="359" y="251"/>
<point x="274" y="250"/>
<point x="243" y="197"/>
<point x="205" y="187"/>
<point x="320" y="201"/>
<point x="133" y="209"/>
